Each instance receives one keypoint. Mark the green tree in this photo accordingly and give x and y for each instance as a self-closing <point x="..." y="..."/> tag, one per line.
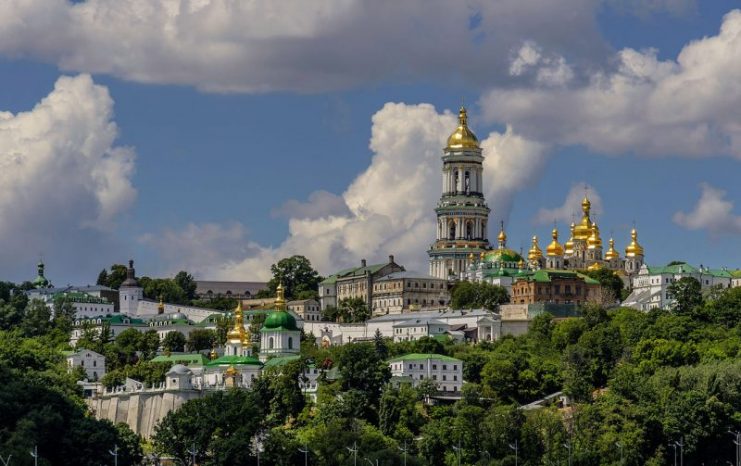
<point x="467" y="294"/>
<point x="363" y="370"/>
<point x="609" y="280"/>
<point x="149" y="344"/>
<point x="296" y="274"/>
<point x="174" y="342"/>
<point x="353" y="310"/>
<point x="102" y="278"/>
<point x="114" y="278"/>
<point x="128" y="343"/>
<point x="687" y="294"/>
<point x="36" y="319"/>
<point x="185" y="282"/>
<point x="201" y="339"/>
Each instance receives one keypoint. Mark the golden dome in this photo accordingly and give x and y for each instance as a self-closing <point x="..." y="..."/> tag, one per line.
<point x="535" y="252"/>
<point x="237" y="333"/>
<point x="230" y="371"/>
<point x="594" y="241"/>
<point x="470" y="257"/>
<point x="280" y="298"/>
<point x="521" y="264"/>
<point x="569" y="244"/>
<point x="583" y="230"/>
<point x="502" y="238"/>
<point x="463" y="137"/>
<point x="595" y="266"/>
<point x="213" y="355"/>
<point x="555" y="248"/>
<point x="161" y="306"/>
<point x="482" y="254"/>
<point x="633" y="249"/>
<point x="611" y="252"/>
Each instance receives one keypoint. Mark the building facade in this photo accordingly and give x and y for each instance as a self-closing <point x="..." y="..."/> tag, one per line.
<point x="404" y="291"/>
<point x="355" y="282"/>
<point x="554" y="286"/>
<point x="462" y="213"/>
<point x="444" y="371"/>
<point x="308" y="309"/>
<point x="92" y="362"/>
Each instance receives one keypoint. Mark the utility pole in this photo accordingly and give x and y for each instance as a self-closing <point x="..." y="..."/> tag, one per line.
<point x="516" y="449"/>
<point x="568" y="447"/>
<point x="354" y="451"/>
<point x="405" y="449"/>
<point x="114" y="453"/>
<point x="305" y="451"/>
<point x="35" y="454"/>
<point x="620" y="447"/>
<point x="6" y="462"/>
<point x="193" y="452"/>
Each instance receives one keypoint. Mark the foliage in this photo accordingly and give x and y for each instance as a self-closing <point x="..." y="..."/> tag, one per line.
<point x="174" y="342"/>
<point x="296" y="274"/>
<point x="200" y="339"/>
<point x="353" y="310"/>
<point x="466" y="295"/>
<point x="114" y="278"/>
<point x="609" y="280"/>
<point x="687" y="294"/>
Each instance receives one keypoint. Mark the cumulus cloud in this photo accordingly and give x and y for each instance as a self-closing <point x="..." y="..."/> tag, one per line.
<point x="320" y="204"/>
<point x="549" y="70"/>
<point x="570" y="210"/>
<point x="688" y="106"/>
<point x="296" y="45"/>
<point x="63" y="182"/>
<point x="712" y="212"/>
<point x="390" y="206"/>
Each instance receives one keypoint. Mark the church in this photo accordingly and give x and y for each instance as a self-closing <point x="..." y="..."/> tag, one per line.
<point x="462" y="251"/>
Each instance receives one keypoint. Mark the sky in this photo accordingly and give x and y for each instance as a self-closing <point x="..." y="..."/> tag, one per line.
<point x="219" y="136"/>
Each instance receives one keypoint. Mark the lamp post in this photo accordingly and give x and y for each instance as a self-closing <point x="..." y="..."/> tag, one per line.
<point x="404" y="450"/>
<point x="114" y="453"/>
<point x="193" y="452"/>
<point x="674" y="445"/>
<point x="6" y="462"/>
<point x="371" y="462"/>
<point x="680" y="444"/>
<point x="568" y="447"/>
<point x="354" y="451"/>
<point x="305" y="451"/>
<point x="515" y="447"/>
<point x="35" y="454"/>
<point x="620" y="447"/>
<point x="737" y="443"/>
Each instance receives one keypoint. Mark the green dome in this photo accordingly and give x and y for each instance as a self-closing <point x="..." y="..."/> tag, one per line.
<point x="502" y="255"/>
<point x="280" y="320"/>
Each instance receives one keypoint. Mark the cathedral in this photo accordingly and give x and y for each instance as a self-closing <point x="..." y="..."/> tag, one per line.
<point x="461" y="250"/>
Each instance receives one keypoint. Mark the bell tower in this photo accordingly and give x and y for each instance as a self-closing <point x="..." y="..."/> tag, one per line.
<point x="462" y="213"/>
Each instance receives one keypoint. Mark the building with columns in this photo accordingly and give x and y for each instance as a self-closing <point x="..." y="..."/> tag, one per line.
<point x="462" y="213"/>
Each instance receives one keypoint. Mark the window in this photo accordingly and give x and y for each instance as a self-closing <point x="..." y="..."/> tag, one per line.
<point x="445" y="367"/>
<point x="455" y="367"/>
<point x="290" y="342"/>
<point x="445" y="377"/>
<point x="270" y="343"/>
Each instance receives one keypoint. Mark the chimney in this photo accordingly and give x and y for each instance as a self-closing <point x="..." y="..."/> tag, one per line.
<point x="362" y="263"/>
<point x="391" y="258"/>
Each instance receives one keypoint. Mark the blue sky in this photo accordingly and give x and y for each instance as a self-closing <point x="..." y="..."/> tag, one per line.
<point x="216" y="155"/>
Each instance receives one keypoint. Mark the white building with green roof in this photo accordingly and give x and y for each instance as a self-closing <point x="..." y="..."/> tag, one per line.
<point x="446" y="372"/>
<point x="279" y="336"/>
<point x="355" y="282"/>
<point x="651" y="285"/>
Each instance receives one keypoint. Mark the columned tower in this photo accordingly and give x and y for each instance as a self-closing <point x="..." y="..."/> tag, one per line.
<point x="462" y="213"/>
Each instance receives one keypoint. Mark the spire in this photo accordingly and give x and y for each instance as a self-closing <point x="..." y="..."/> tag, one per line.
<point x="161" y="306"/>
<point x="583" y="230"/>
<point x="280" y="299"/>
<point x="611" y="252"/>
<point x="40" y="281"/>
<point x="237" y="334"/>
<point x="130" y="276"/>
<point x="594" y="241"/>
<point x="535" y="252"/>
<point x="569" y="244"/>
<point x="462" y="137"/>
<point x="502" y="238"/>
<point x="555" y="248"/>
<point x="633" y="249"/>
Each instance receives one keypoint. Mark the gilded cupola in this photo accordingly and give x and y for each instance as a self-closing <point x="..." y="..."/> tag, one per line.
<point x="555" y="248"/>
<point x="237" y="333"/>
<point x="502" y="238"/>
<point x="633" y="249"/>
<point x="535" y="252"/>
<point x="462" y="137"/>
<point x="594" y="241"/>
<point x="280" y="298"/>
<point x="611" y="252"/>
<point x="583" y="230"/>
<point x="569" y="244"/>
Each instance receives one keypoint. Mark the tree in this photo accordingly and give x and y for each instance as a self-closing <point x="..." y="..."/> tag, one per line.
<point x="362" y="369"/>
<point x="36" y="319"/>
<point x="353" y="310"/>
<point x="467" y="294"/>
<point x="687" y="294"/>
<point x="128" y="343"/>
<point x="163" y="288"/>
<point x="64" y="314"/>
<point x="149" y="343"/>
<point x="114" y="278"/>
<point x="201" y="339"/>
<point x="185" y="281"/>
<point x="174" y="342"/>
<point x="382" y="349"/>
<point x="102" y="278"/>
<point x="296" y="274"/>
<point x="610" y="282"/>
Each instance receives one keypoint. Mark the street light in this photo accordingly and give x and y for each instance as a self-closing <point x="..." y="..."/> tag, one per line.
<point x="354" y="451"/>
<point x="371" y="462"/>
<point x="114" y="453"/>
<point x="737" y="442"/>
<point x="35" y="454"/>
<point x="305" y="451"/>
<point x="680" y="444"/>
<point x="193" y="452"/>
<point x="515" y="447"/>
<point x="405" y="450"/>
<point x="568" y="447"/>
<point x="6" y="462"/>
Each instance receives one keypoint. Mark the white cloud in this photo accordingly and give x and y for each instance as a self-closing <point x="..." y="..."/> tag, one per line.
<point x="391" y="204"/>
<point x="320" y="204"/>
<point x="549" y="70"/>
<point x="646" y="106"/>
<point x="297" y="45"/>
<point x="712" y="213"/>
<point x="570" y="210"/>
<point x="63" y="182"/>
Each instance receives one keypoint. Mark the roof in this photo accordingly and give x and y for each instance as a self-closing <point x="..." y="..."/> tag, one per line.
<point x="355" y="272"/>
<point x="191" y="359"/>
<point x="80" y="297"/>
<point x="424" y="357"/>
<point x="179" y="369"/>
<point x="281" y="360"/>
<point x="546" y="276"/>
<point x="234" y="361"/>
<point x="684" y="268"/>
<point x="222" y="287"/>
<point x="408" y="274"/>
<point x="419" y="323"/>
<point x="117" y="319"/>
<point x="433" y="314"/>
<point x="301" y="301"/>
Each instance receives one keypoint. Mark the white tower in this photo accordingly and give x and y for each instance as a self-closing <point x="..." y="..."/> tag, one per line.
<point x="462" y="213"/>
<point x="130" y="293"/>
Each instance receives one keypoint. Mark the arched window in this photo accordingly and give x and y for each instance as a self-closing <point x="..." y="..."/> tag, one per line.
<point x="467" y="183"/>
<point x="290" y="342"/>
<point x="451" y="230"/>
<point x="270" y="343"/>
<point x="469" y="230"/>
<point x="455" y="181"/>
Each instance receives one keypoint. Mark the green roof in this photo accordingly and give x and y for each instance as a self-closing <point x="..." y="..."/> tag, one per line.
<point x="546" y="276"/>
<point x="281" y="360"/>
<point x="736" y="273"/>
<point x="687" y="268"/>
<point x="114" y="320"/>
<point x="79" y="297"/>
<point x="423" y="357"/>
<point x="278" y="321"/>
<point x="331" y="280"/>
<point x="502" y="255"/>
<point x="192" y="359"/>
<point x="234" y="361"/>
<point x="68" y="353"/>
